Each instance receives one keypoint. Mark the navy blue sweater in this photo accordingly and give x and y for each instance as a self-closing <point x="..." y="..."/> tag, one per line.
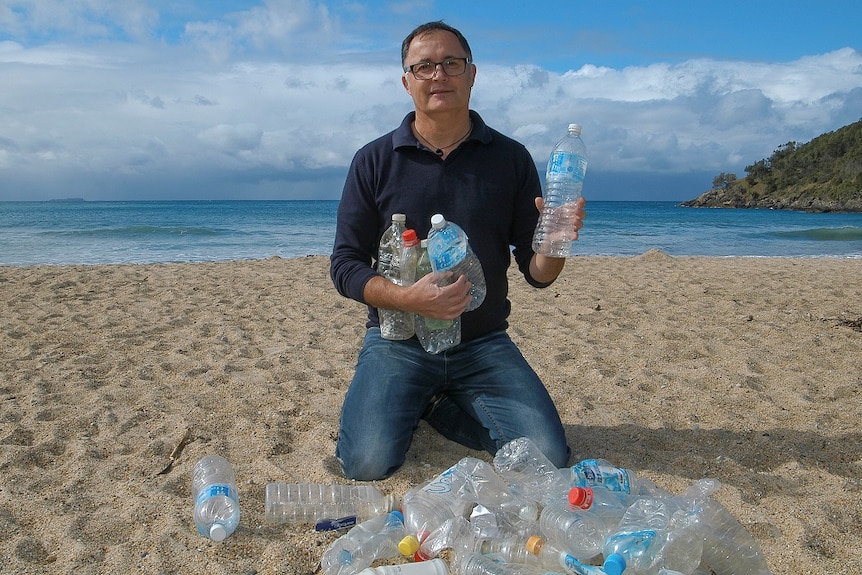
<point x="488" y="186"/>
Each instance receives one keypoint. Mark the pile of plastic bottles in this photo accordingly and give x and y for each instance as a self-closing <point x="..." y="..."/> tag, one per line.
<point x="524" y="516"/>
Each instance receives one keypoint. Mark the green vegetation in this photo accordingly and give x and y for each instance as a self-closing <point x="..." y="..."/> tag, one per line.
<point x="824" y="175"/>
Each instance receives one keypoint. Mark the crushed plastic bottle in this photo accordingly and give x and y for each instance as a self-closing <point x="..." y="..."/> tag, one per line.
<point x="435" y="335"/>
<point x="523" y="465"/>
<point x="366" y="542"/>
<point x="483" y="486"/>
<point x="550" y="556"/>
<point x="580" y="534"/>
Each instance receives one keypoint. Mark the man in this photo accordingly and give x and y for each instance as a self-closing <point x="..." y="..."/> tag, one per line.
<point x="442" y="159"/>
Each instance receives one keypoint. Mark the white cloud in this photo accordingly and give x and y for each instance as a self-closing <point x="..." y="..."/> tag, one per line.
<point x="212" y="103"/>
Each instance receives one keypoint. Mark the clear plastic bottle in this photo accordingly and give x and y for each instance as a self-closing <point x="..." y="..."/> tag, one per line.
<point x="394" y="324"/>
<point x="478" y="564"/>
<point x="411" y="251"/>
<point x="551" y="556"/>
<point x="607" y="505"/>
<point x="658" y="534"/>
<point x="564" y="180"/>
<point x="298" y="503"/>
<point x="216" y="497"/>
<point x="433" y="567"/>
<point x="435" y="335"/>
<point x="428" y="506"/>
<point x="602" y="473"/>
<point x="375" y="538"/>
<point x="529" y="472"/>
<point x="727" y="547"/>
<point x="455" y="533"/>
<point x="580" y="534"/>
<point x="483" y="486"/>
<point x="449" y="250"/>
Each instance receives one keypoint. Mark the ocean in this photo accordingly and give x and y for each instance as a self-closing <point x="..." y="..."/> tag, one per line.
<point x="83" y="232"/>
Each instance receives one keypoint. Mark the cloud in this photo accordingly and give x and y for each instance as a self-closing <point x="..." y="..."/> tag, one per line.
<point x="272" y="95"/>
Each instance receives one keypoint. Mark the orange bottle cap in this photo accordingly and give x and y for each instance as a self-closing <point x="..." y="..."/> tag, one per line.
<point x="534" y="544"/>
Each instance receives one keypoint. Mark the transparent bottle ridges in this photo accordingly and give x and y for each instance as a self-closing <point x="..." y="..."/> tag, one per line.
<point x="484" y="486"/>
<point x="449" y="250"/>
<point x="579" y="534"/>
<point x="373" y="539"/>
<point x="300" y="503"/>
<point x="216" y="498"/>
<point x="429" y="505"/>
<point x="523" y="465"/>
<point x="564" y="179"/>
<point x="552" y="556"/>
<point x="728" y="548"/>
<point x="435" y="335"/>
<point x="394" y="324"/>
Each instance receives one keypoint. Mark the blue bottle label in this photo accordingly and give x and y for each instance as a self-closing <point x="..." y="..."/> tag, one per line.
<point x="566" y="165"/>
<point x="335" y="524"/>
<point x="216" y="490"/>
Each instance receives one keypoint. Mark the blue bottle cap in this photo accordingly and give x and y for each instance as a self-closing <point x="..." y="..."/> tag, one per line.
<point x="614" y="564"/>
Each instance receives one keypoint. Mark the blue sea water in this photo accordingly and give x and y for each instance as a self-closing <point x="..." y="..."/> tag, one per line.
<point x="55" y="233"/>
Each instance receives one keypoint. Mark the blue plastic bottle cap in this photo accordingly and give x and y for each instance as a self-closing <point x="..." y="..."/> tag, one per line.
<point x="614" y="564"/>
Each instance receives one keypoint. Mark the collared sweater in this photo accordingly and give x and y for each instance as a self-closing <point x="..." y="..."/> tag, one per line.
<point x="487" y="185"/>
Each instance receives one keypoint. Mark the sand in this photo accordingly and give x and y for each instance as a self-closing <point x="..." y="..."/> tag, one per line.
<point x="680" y="368"/>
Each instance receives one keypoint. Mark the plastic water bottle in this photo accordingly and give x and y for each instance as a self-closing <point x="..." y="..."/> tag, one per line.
<point x="657" y="534"/>
<point x="580" y="534"/>
<point x="411" y="251"/>
<point x="727" y="546"/>
<point x="483" y="486"/>
<point x="433" y="567"/>
<point x="375" y="538"/>
<point x="394" y="324"/>
<point x="564" y="180"/>
<point x="455" y="533"/>
<point x="602" y="473"/>
<point x="609" y="506"/>
<point x="327" y="506"/>
<point x="435" y="335"/>
<point x="523" y="465"/>
<point x="551" y="556"/>
<point x="478" y="564"/>
<point x="449" y="250"/>
<point x="428" y="506"/>
<point x="216" y="497"/>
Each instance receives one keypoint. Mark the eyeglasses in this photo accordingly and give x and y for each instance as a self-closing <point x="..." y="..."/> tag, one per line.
<point x="450" y="66"/>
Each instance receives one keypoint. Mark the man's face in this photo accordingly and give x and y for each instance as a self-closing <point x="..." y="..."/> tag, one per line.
<point x="441" y="93"/>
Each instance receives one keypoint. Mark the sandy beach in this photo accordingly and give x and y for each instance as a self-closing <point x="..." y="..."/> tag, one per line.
<point x="679" y="368"/>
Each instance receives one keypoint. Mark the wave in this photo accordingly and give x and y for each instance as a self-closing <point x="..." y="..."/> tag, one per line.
<point x="843" y="234"/>
<point x="138" y="231"/>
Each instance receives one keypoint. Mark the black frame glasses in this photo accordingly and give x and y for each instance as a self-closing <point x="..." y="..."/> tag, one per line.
<point x="449" y="66"/>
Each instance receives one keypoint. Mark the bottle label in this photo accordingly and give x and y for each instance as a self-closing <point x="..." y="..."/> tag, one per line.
<point x="335" y="524"/>
<point x="612" y="478"/>
<point x="563" y="165"/>
<point x="215" y="490"/>
<point x="443" y="483"/>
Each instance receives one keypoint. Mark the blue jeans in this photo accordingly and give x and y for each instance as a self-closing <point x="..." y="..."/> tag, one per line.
<point x="481" y="394"/>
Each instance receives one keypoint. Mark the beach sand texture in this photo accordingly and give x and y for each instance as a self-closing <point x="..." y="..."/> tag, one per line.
<point x="746" y="370"/>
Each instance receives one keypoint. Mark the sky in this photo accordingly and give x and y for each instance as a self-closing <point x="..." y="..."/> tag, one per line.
<point x="211" y="99"/>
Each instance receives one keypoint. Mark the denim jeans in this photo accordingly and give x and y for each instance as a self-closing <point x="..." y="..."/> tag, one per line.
<point x="481" y="394"/>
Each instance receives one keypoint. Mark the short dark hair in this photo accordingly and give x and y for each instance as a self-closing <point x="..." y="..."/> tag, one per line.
<point x="432" y="27"/>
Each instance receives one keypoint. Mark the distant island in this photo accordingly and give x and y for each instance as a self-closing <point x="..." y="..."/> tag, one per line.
<point x="824" y="175"/>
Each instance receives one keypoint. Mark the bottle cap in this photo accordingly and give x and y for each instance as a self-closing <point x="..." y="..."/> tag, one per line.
<point x="408" y="546"/>
<point x="534" y="544"/>
<point x="614" y="564"/>
<point x="409" y="237"/>
<point x="400" y="218"/>
<point x="438" y="221"/>
<point x="575" y="129"/>
<point x="581" y="497"/>
<point x="218" y="532"/>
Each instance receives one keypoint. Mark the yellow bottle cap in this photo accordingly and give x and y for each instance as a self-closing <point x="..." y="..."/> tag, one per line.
<point x="534" y="544"/>
<point x="408" y="546"/>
